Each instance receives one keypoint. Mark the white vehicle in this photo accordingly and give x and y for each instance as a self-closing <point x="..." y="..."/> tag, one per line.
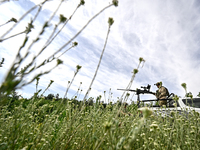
<point x="183" y="106"/>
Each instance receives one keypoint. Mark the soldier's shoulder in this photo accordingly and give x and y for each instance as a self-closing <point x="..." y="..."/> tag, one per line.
<point x="163" y="88"/>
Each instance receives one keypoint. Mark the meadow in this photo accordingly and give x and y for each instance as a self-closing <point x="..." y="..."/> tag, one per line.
<point x="45" y="123"/>
<point x="40" y="123"/>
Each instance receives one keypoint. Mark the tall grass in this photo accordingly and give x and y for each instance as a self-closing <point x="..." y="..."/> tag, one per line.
<point x="39" y="125"/>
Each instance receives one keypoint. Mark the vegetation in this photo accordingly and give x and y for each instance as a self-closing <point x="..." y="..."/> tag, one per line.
<point x="52" y="122"/>
<point x="40" y="123"/>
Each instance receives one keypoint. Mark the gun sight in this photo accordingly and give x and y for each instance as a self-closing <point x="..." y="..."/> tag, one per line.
<point x="146" y="88"/>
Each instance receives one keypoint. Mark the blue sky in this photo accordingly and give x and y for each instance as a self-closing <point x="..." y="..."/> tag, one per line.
<point x="164" y="33"/>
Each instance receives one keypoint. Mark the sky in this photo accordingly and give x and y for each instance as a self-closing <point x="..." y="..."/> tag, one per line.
<point x="164" y="33"/>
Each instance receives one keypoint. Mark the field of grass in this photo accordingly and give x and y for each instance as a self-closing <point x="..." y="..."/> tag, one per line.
<point x="49" y="124"/>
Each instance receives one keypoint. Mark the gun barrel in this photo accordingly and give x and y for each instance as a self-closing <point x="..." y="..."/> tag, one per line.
<point x="127" y="90"/>
<point x="150" y="93"/>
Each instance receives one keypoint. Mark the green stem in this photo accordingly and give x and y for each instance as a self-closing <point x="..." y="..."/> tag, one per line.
<point x="97" y="65"/>
<point x="49" y="41"/>
<point x="1" y="40"/>
<point x="22" y="18"/>
<point x="80" y="31"/>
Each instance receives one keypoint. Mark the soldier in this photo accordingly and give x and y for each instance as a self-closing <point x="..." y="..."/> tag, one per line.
<point x="161" y="93"/>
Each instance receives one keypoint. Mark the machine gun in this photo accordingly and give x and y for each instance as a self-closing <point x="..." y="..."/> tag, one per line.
<point x="145" y="90"/>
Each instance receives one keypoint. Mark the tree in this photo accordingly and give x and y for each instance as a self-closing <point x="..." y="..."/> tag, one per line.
<point x="50" y="96"/>
<point x="57" y="96"/>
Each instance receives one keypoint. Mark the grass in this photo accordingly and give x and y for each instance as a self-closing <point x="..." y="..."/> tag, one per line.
<point x="44" y="124"/>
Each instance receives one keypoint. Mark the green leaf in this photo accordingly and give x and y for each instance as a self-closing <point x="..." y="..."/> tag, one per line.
<point x="184" y="85"/>
<point x="59" y="62"/>
<point x="110" y="21"/>
<point x="62" y="18"/>
<point x="82" y="2"/>
<point x="115" y="3"/>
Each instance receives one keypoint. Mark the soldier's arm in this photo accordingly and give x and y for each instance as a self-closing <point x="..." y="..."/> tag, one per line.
<point x="156" y="94"/>
<point x="163" y="92"/>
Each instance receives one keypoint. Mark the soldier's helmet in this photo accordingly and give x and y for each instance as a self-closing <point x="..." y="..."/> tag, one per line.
<point x="158" y="83"/>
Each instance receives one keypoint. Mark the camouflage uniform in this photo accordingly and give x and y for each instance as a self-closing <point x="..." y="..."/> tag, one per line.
<point x="161" y="93"/>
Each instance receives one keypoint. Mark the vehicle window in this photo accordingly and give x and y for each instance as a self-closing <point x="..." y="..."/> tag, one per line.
<point x="171" y="103"/>
<point x="195" y="102"/>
